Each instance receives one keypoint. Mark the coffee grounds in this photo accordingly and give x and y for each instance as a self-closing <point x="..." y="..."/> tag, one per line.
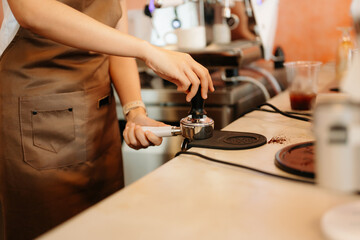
<point x="278" y="139"/>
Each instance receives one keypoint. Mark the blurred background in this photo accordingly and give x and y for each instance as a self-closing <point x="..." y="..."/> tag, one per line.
<point x="306" y="28"/>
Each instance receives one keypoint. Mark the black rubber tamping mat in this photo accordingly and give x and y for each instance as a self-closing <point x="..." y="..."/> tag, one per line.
<point x="228" y="140"/>
<point x="297" y="159"/>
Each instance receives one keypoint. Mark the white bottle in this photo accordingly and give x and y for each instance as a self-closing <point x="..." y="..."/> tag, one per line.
<point x="337" y="148"/>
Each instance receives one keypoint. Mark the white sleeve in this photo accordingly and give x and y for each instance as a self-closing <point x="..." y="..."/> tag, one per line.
<point x="9" y="27"/>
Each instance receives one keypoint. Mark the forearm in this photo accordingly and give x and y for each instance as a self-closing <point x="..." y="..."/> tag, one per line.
<point x="63" y="24"/>
<point x="125" y="78"/>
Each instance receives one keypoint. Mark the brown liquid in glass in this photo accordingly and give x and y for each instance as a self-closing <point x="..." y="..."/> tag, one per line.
<point x="301" y="101"/>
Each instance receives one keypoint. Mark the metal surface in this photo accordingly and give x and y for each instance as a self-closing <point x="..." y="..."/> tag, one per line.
<point x="196" y="129"/>
<point x="232" y="55"/>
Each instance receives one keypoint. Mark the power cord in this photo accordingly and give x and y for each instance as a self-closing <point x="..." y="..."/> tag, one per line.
<point x="290" y="115"/>
<point x="247" y="79"/>
<point x="242" y="166"/>
<point x="288" y="112"/>
<point x="268" y="76"/>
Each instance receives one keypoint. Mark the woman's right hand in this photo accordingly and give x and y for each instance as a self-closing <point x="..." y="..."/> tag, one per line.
<point x="180" y="69"/>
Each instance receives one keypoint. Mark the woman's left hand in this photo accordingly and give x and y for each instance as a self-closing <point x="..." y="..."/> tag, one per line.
<point x="133" y="134"/>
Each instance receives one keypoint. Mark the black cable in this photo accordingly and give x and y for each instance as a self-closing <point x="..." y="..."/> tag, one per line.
<point x="284" y="113"/>
<point x="288" y="112"/>
<point x="299" y="113"/>
<point x="242" y="166"/>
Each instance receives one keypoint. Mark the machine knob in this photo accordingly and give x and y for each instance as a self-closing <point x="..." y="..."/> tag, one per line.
<point x="232" y="21"/>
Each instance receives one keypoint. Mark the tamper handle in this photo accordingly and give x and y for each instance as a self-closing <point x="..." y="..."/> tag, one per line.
<point x="197" y="110"/>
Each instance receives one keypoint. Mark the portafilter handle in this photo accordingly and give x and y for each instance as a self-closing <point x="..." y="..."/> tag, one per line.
<point x="166" y="131"/>
<point x="197" y="110"/>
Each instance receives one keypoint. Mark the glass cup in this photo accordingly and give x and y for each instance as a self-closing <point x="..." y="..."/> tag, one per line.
<point x="302" y="78"/>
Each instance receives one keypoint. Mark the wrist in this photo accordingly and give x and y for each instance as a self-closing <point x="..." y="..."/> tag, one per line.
<point x="147" y="51"/>
<point x="133" y="108"/>
<point x="144" y="48"/>
<point x="135" y="112"/>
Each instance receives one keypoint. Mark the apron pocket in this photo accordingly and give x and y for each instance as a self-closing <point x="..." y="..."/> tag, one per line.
<point x="53" y="130"/>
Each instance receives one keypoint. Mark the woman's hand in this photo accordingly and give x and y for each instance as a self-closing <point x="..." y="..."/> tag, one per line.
<point x="180" y="69"/>
<point x="133" y="134"/>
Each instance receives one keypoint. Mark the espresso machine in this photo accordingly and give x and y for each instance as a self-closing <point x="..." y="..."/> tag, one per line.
<point x="262" y="20"/>
<point x="256" y="22"/>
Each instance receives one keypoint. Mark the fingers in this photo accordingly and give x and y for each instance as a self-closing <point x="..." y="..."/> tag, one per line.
<point x="204" y="83"/>
<point x="183" y="83"/>
<point x="136" y="138"/>
<point x="147" y="139"/>
<point x="155" y="140"/>
<point x="141" y="138"/>
<point x="194" y="85"/>
<point x="129" y="136"/>
<point x="199" y="75"/>
<point x="183" y="70"/>
<point x="205" y="80"/>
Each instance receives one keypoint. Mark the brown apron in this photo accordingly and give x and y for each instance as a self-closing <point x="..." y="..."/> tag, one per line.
<point x="60" y="146"/>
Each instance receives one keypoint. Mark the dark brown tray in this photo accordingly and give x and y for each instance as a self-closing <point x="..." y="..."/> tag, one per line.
<point x="297" y="159"/>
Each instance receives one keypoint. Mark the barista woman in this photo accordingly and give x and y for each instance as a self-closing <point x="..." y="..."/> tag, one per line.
<point x="60" y="143"/>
